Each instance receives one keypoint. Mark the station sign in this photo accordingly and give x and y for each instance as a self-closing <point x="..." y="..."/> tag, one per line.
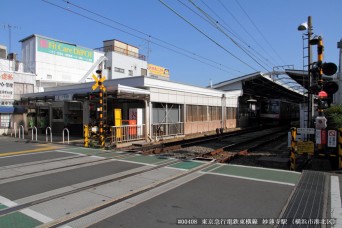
<point x="332" y="138"/>
<point x="307" y="131"/>
<point x="64" y="97"/>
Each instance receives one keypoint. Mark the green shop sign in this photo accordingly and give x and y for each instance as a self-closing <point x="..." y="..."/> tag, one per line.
<point x="65" y="50"/>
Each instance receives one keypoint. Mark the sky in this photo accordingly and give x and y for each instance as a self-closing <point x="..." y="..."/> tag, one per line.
<point x="197" y="40"/>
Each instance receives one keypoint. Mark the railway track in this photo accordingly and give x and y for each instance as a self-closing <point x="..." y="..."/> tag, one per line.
<point x="108" y="203"/>
<point x="220" y="148"/>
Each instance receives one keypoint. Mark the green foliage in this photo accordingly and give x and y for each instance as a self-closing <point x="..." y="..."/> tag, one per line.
<point x="334" y="116"/>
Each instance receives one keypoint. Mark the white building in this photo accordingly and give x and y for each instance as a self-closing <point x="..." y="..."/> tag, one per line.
<point x="13" y="83"/>
<point x="57" y="62"/>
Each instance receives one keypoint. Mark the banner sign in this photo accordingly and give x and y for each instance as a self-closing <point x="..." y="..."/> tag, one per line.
<point x="158" y="70"/>
<point x="6" y="86"/>
<point x="65" y="50"/>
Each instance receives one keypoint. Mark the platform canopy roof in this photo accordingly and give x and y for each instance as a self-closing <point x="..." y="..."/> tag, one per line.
<point x="300" y="76"/>
<point x="81" y="91"/>
<point x="275" y="85"/>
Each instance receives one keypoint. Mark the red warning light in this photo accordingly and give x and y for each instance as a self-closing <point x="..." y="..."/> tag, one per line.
<point x="322" y="94"/>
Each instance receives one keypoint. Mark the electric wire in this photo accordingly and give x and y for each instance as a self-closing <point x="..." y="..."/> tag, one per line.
<point x="243" y="28"/>
<point x="248" y="47"/>
<point x="136" y="30"/>
<point x="229" y="37"/>
<point x="207" y="36"/>
<point x="256" y="27"/>
<point x="193" y="56"/>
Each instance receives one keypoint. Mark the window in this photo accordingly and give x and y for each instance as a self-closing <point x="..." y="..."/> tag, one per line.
<point x="215" y="112"/>
<point x="196" y="113"/>
<point x="143" y="72"/>
<point x="57" y="113"/>
<point x="130" y="72"/>
<point x="119" y="70"/>
<point x="231" y="113"/>
<point x="5" y="120"/>
<point x="49" y="76"/>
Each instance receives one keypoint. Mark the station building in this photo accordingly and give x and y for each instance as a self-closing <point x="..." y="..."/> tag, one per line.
<point x="141" y="102"/>
<point x="137" y="93"/>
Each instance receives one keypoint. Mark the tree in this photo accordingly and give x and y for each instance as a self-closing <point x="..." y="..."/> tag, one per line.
<point x="334" y="116"/>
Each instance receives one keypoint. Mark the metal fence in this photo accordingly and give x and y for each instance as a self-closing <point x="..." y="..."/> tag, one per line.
<point x="127" y="133"/>
<point x="167" y="129"/>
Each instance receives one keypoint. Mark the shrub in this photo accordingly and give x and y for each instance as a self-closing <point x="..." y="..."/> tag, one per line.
<point x="334" y="116"/>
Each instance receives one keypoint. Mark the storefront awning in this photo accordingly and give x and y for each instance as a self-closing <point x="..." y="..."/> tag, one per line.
<point x="6" y="109"/>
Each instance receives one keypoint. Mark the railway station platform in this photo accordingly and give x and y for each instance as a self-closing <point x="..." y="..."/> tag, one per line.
<point x="68" y="186"/>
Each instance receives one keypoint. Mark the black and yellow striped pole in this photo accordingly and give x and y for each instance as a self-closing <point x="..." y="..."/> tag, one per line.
<point x="102" y="90"/>
<point x="293" y="149"/>
<point x="339" y="135"/>
<point x="86" y="135"/>
<point x="99" y="83"/>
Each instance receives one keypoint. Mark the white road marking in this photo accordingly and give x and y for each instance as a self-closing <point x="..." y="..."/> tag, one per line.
<point x="27" y="211"/>
<point x="336" y="208"/>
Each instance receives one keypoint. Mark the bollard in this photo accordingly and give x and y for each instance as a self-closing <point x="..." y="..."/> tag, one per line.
<point x="21" y="127"/>
<point x="46" y="134"/>
<point x="86" y="135"/>
<point x="65" y="129"/>
<point x="34" y="129"/>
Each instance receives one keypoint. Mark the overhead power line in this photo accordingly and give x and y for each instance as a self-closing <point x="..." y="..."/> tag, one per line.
<point x="207" y="36"/>
<point x="216" y="25"/>
<point x="172" y="47"/>
<point x="234" y="33"/>
<point x="262" y="35"/>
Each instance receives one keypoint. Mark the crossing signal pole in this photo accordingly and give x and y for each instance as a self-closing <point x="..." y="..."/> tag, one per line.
<point x="102" y="105"/>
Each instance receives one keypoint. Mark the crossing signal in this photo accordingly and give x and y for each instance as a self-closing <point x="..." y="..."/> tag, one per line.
<point x="330" y="87"/>
<point x="329" y="69"/>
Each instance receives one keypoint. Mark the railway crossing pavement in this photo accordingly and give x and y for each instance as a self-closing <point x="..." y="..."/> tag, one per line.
<point x="79" y="187"/>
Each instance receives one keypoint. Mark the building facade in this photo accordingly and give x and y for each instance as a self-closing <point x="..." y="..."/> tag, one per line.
<point x="13" y="83"/>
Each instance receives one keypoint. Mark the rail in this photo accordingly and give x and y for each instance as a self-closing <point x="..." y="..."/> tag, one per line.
<point x="127" y="133"/>
<point x="66" y="129"/>
<point x="21" y="127"/>
<point x="32" y="131"/>
<point x="167" y="129"/>
<point x="46" y="134"/>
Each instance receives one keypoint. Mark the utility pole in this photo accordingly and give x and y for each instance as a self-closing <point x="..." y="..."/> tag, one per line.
<point x="10" y="27"/>
<point x="310" y="97"/>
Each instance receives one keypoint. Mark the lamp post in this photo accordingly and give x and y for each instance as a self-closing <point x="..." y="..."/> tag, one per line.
<point x="302" y="27"/>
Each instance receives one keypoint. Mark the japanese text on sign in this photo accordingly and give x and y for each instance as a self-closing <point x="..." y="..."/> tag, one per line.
<point x="6" y="86"/>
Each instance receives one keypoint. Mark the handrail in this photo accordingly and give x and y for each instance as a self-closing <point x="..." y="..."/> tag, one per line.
<point x="46" y="134"/>
<point x="63" y="134"/>
<point x="34" y="128"/>
<point x="21" y="127"/>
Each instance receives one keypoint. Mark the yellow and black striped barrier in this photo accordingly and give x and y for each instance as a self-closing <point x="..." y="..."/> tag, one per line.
<point x="86" y="135"/>
<point x="339" y="135"/>
<point x="293" y="149"/>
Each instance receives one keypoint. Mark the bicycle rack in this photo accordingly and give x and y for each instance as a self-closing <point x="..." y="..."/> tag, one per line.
<point x="34" y="129"/>
<point x="46" y="134"/>
<point x="65" y="129"/>
<point x="21" y="127"/>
